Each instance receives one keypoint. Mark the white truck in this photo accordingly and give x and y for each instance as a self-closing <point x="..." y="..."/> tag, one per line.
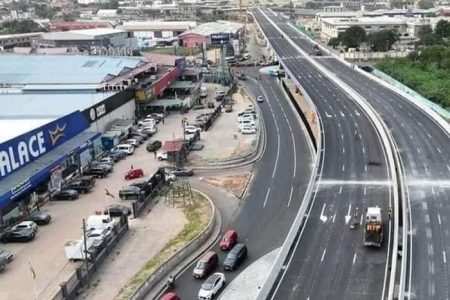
<point x="75" y="250"/>
<point x="373" y="227"/>
<point x="100" y="222"/>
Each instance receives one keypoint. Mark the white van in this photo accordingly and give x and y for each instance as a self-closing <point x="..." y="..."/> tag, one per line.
<point x="203" y="92"/>
<point x="99" y="222"/>
<point x="127" y="148"/>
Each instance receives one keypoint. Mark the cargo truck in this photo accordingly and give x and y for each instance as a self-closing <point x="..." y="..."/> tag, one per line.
<point x="373" y="229"/>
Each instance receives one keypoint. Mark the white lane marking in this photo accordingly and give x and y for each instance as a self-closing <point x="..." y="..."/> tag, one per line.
<point x="439" y="219"/>
<point x="432" y="191"/>
<point x="322" y="217"/>
<point x="267" y="197"/>
<point x="429" y="135"/>
<point x="427" y="219"/>
<point x="342" y="136"/>
<point x="342" y="114"/>
<point x="418" y="150"/>
<point x="426" y="169"/>
<point x="365" y="190"/>
<point x="403" y="125"/>
<point x="439" y="150"/>
<point x="444" y="257"/>
<point x="343" y="168"/>
<point x="360" y="137"/>
<point x="276" y="158"/>
<point x="360" y="222"/>
<point x="343" y="150"/>
<point x="334" y="217"/>
<point x="424" y="205"/>
<point x="365" y="168"/>
<point x="348" y="217"/>
<point x="340" y="190"/>
<point x="448" y="168"/>
<point x="339" y="125"/>
<point x="357" y="113"/>
<point x="354" y="258"/>
<point x="323" y="255"/>
<point x="290" y="197"/>
<point x="418" y="123"/>
<point x="328" y="115"/>
<point x="364" y="150"/>
<point x="410" y="137"/>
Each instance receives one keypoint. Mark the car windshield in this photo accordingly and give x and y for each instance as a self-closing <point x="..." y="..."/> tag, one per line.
<point x="201" y="265"/>
<point x="231" y="255"/>
<point x="226" y="239"/>
<point x="21" y="226"/>
<point x="208" y="285"/>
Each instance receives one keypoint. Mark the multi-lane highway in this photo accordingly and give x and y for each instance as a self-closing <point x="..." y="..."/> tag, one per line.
<point x="423" y="147"/>
<point x="276" y="191"/>
<point x="330" y="260"/>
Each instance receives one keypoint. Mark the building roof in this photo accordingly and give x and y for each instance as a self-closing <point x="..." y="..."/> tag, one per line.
<point x="207" y="29"/>
<point x="82" y="34"/>
<point x="151" y="26"/>
<point x="19" y="35"/>
<point x="366" y="21"/>
<point x="162" y="59"/>
<point x="173" y="146"/>
<point x="16" y="69"/>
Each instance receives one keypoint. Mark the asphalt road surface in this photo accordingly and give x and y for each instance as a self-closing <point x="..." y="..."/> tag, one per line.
<point x="421" y="142"/>
<point x="274" y="196"/>
<point x="330" y="260"/>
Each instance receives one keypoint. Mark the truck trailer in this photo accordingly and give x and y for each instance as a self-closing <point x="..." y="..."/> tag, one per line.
<point x="373" y="228"/>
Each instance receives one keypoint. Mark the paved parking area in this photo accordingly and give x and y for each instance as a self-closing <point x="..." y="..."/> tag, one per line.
<point x="147" y="234"/>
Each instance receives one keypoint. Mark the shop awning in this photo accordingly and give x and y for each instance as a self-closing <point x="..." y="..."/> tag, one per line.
<point x="31" y="175"/>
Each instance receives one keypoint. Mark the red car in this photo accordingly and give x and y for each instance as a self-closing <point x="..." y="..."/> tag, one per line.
<point x="170" y="296"/>
<point x="134" y="173"/>
<point x="229" y="239"/>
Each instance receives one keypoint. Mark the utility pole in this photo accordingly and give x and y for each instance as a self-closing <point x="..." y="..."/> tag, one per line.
<point x="86" y="254"/>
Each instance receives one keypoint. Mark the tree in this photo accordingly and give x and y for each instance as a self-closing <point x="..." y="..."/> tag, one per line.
<point x="425" y="30"/>
<point x="334" y="42"/>
<point x="15" y="26"/>
<point x="426" y="4"/>
<point x="430" y="39"/>
<point x="353" y="36"/>
<point x="382" y="40"/>
<point x="442" y="28"/>
<point x="112" y="4"/>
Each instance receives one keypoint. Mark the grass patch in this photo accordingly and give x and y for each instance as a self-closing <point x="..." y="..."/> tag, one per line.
<point x="198" y="216"/>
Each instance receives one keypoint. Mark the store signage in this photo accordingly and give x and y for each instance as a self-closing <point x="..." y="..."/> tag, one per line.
<point x="220" y="38"/>
<point x="18" y="152"/>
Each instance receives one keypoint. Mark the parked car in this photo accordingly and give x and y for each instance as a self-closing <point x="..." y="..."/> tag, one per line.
<point x="260" y="99"/>
<point x="147" y="122"/>
<point x="246" y="112"/>
<point x="211" y="286"/>
<point x="108" y="167"/>
<point x="19" y="235"/>
<point x="117" y="155"/>
<point x="25" y="225"/>
<point x="103" y="234"/>
<point x="106" y="160"/>
<point x="157" y="116"/>
<point x="88" y="180"/>
<point x="197" y="146"/>
<point x="40" y="218"/>
<point x="180" y="171"/>
<point x="139" y="135"/>
<point x="144" y="185"/>
<point x="134" y="173"/>
<point x="79" y="186"/>
<point x="161" y="156"/>
<point x="117" y="210"/>
<point x="248" y="130"/>
<point x="149" y="130"/>
<point x="97" y="172"/>
<point x="229" y="239"/>
<point x="206" y="264"/>
<point x="5" y="258"/>
<point x="131" y="192"/>
<point x="153" y="146"/>
<point x="134" y="142"/>
<point x="246" y="117"/>
<point x="127" y="148"/>
<point x="65" y="195"/>
<point x="235" y="257"/>
<point x="189" y="129"/>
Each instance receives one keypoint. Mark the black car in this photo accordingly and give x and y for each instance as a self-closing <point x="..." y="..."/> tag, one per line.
<point x="5" y="258"/>
<point x="79" y="185"/>
<point x="97" y="172"/>
<point x="131" y="192"/>
<point x="153" y="146"/>
<point x="40" y="218"/>
<point x="19" y="235"/>
<point x="235" y="257"/>
<point x="144" y="185"/>
<point x="65" y="195"/>
<point x="87" y="180"/>
<point x="117" y="210"/>
<point x="180" y="171"/>
<point x="138" y="135"/>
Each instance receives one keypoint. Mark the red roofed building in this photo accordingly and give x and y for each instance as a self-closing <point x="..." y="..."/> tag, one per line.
<point x="176" y="152"/>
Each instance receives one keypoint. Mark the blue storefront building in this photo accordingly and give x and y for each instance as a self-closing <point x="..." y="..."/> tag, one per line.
<point x="38" y="161"/>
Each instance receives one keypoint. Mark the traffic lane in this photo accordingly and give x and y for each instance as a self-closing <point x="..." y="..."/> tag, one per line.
<point x="367" y="155"/>
<point x="430" y="242"/>
<point x="330" y="260"/>
<point x="426" y="139"/>
<point x="258" y="226"/>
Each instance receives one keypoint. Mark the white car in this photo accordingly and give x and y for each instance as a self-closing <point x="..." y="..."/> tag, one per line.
<point x="26" y="225"/>
<point x="134" y="142"/>
<point x="150" y="129"/>
<point x="127" y="148"/>
<point x="147" y="122"/>
<point x="250" y="107"/>
<point x="161" y="156"/>
<point x="247" y="122"/>
<point x="248" y="130"/>
<point x="260" y="99"/>
<point x="107" y="160"/>
<point x="189" y="129"/>
<point x="245" y="117"/>
<point x="101" y="234"/>
<point x="220" y="93"/>
<point x="211" y="286"/>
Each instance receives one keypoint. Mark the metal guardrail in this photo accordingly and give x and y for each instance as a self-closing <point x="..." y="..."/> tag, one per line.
<point x="380" y="126"/>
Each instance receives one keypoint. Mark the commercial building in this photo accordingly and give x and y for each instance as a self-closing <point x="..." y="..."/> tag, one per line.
<point x="17" y="40"/>
<point x="54" y="109"/>
<point x="66" y="26"/>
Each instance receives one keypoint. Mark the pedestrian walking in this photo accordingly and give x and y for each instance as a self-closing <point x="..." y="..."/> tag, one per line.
<point x="131" y="166"/>
<point x="154" y="153"/>
<point x="163" y="121"/>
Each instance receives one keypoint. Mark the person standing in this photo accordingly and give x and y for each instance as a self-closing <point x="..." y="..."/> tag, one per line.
<point x="154" y="153"/>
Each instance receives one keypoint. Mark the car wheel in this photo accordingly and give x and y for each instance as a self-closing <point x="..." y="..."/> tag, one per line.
<point x="160" y="158"/>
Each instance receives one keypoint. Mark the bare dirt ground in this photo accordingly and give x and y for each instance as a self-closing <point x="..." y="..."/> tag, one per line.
<point x="235" y="183"/>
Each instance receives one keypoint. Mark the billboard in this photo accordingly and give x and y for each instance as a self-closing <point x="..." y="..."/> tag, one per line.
<point x="18" y="152"/>
<point x="220" y="38"/>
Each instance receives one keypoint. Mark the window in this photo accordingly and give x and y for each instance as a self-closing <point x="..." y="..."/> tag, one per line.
<point x="368" y="27"/>
<point x="396" y="26"/>
<point x="382" y="26"/>
<point x="157" y="34"/>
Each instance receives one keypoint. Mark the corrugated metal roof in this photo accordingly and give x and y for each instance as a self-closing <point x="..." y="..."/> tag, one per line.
<point x="57" y="69"/>
<point x="207" y="29"/>
<point x="149" y="26"/>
